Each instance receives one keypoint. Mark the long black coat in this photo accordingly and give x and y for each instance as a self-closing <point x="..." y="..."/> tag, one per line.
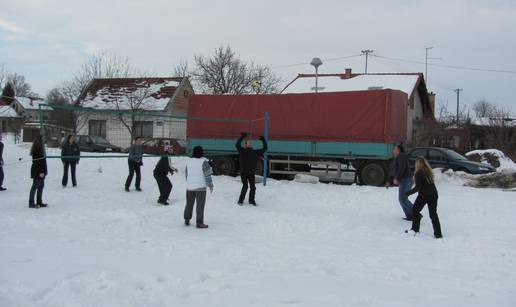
<point x="39" y="164"/>
<point x="249" y="157"/>
<point x="71" y="152"/>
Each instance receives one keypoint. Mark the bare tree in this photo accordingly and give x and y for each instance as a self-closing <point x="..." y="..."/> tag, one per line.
<point x="62" y="114"/>
<point x="225" y="73"/>
<point x="484" y="108"/>
<point x="100" y="65"/>
<point x="20" y="86"/>
<point x="182" y="69"/>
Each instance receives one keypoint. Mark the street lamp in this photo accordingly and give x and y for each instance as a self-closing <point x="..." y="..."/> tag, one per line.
<point x="316" y="62"/>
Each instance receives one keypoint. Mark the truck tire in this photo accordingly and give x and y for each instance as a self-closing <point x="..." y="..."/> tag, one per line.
<point x="372" y="173"/>
<point x="224" y="166"/>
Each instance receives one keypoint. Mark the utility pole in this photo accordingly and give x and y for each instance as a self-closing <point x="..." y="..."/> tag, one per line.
<point x="366" y="53"/>
<point x="457" y="91"/>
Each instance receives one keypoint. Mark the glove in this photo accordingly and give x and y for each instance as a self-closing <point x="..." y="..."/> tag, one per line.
<point x="243" y="134"/>
<point x="262" y="138"/>
<point x="141" y="163"/>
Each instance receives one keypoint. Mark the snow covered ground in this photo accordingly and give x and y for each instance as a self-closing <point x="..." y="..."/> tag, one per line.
<point x="305" y="245"/>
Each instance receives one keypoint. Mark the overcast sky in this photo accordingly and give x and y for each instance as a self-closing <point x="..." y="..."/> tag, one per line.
<point x="46" y="40"/>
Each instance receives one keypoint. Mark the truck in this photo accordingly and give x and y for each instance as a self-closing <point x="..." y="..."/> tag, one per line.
<point x="343" y="131"/>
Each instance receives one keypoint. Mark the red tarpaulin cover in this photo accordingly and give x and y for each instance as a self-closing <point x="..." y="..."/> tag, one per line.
<point x="360" y="116"/>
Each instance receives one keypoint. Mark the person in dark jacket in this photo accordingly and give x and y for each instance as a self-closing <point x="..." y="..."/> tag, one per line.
<point x="38" y="172"/>
<point x="1" y="164"/>
<point x="70" y="155"/>
<point x="162" y="169"/>
<point x="402" y="177"/>
<point x="248" y="160"/>
<point x="427" y="195"/>
<point x="135" y="161"/>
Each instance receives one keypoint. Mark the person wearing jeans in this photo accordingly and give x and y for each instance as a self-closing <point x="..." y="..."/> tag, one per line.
<point x="135" y="161"/>
<point x="38" y="173"/>
<point x="198" y="178"/>
<point x="403" y="179"/>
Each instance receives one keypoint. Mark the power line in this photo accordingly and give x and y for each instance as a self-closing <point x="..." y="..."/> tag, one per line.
<point x="367" y="52"/>
<point x="447" y="65"/>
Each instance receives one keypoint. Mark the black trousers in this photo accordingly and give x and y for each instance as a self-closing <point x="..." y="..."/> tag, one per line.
<point x="69" y="165"/>
<point x="193" y="197"/>
<point x="37" y="186"/>
<point x="248" y="180"/>
<point x="164" y="186"/>
<point x="134" y="167"/>
<point x="419" y="204"/>
<point x="1" y="175"/>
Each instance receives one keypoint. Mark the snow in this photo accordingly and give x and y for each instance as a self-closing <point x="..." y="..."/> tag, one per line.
<point x="505" y="162"/>
<point x="31" y="104"/>
<point x="304" y="245"/>
<point x="404" y="83"/>
<point x="125" y="97"/>
<point x="7" y="111"/>
<point x="301" y="178"/>
<point x="485" y="121"/>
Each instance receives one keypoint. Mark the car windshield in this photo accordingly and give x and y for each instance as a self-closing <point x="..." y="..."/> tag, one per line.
<point x="99" y="140"/>
<point x="454" y="155"/>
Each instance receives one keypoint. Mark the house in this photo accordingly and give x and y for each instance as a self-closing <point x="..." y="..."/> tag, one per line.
<point x="10" y="120"/>
<point x="420" y="103"/>
<point x="29" y="108"/>
<point x="125" y="108"/>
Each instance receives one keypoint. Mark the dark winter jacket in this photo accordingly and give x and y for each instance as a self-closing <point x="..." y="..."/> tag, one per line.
<point x="136" y="153"/>
<point x="249" y="157"/>
<point x="163" y="167"/>
<point x="424" y="186"/>
<point x="70" y="152"/>
<point x="1" y="153"/>
<point x="39" y="164"/>
<point x="401" y="167"/>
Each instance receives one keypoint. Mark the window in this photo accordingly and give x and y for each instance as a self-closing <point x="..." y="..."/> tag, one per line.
<point x="97" y="128"/>
<point x="418" y="153"/>
<point x="436" y="155"/>
<point x="143" y="129"/>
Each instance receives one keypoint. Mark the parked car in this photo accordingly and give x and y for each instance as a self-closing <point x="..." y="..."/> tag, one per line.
<point x="158" y="145"/>
<point x="95" y="144"/>
<point x="449" y="159"/>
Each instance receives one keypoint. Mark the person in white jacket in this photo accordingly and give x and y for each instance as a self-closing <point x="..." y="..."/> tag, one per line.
<point x="198" y="179"/>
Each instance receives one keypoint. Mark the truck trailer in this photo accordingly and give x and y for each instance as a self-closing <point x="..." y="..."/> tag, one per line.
<point x="358" y="129"/>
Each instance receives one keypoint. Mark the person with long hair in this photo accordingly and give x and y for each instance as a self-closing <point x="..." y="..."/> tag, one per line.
<point x="70" y="154"/>
<point x="38" y="172"/>
<point x="427" y="195"/>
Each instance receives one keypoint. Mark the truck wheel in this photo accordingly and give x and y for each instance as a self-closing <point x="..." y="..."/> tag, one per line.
<point x="372" y="174"/>
<point x="224" y="166"/>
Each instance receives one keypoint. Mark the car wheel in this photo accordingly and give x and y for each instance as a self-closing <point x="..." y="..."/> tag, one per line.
<point x="224" y="166"/>
<point x="372" y="173"/>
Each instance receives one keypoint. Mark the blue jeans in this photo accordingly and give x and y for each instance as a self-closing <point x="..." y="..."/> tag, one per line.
<point x="404" y="186"/>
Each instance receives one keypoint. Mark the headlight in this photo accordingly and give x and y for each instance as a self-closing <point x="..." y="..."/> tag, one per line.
<point x="481" y="168"/>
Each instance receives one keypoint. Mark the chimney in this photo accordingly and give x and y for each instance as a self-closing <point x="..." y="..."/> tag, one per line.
<point x="347" y="73"/>
<point x="431" y="100"/>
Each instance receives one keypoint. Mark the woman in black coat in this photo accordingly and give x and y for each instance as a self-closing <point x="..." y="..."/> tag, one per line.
<point x="38" y="172"/>
<point x="70" y="154"/>
<point x="427" y="195"/>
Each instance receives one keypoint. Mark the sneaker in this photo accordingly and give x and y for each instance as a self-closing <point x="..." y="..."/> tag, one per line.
<point x="2" y="189"/>
<point x="42" y="205"/>
<point x="127" y="189"/>
<point x="187" y="222"/>
<point x="202" y="225"/>
<point x="438" y="236"/>
<point x="138" y="189"/>
<point x="253" y="203"/>
<point x="75" y="185"/>
<point x="33" y="206"/>
<point x="240" y="203"/>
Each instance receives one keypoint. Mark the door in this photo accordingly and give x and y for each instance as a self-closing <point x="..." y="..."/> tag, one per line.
<point x="437" y="159"/>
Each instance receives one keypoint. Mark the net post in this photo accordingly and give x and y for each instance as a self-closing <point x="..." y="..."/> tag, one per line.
<point x="42" y="135"/>
<point x="265" y="157"/>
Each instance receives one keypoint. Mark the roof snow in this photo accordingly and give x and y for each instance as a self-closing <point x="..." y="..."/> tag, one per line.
<point x="335" y="83"/>
<point x="151" y="94"/>
<point x="31" y="103"/>
<point x="7" y="111"/>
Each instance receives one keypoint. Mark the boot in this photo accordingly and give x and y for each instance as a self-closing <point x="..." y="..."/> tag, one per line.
<point x="202" y="225"/>
<point x="187" y="222"/>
